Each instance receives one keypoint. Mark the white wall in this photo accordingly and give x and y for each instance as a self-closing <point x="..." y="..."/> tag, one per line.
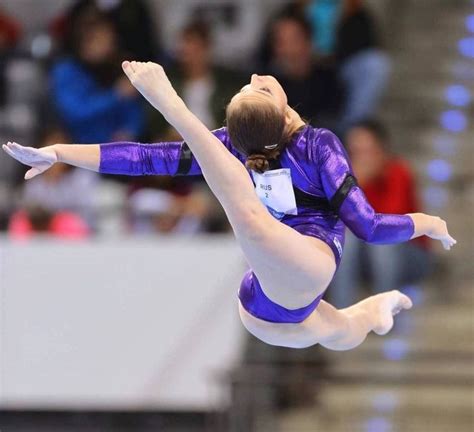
<point x="120" y="323"/>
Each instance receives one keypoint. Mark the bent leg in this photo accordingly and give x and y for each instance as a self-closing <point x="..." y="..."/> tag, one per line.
<point x="348" y="328"/>
<point x="293" y="269"/>
<point x="334" y="329"/>
<point x="280" y="257"/>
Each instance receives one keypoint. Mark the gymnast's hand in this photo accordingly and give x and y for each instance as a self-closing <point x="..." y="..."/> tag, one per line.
<point x="439" y="231"/>
<point x="151" y="81"/>
<point x="38" y="159"/>
<point x="433" y="227"/>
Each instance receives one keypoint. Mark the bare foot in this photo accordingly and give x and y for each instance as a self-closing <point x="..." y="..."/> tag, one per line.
<point x="383" y="307"/>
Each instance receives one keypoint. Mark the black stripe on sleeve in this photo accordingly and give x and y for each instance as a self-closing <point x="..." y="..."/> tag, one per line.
<point x="185" y="160"/>
<point x="341" y="194"/>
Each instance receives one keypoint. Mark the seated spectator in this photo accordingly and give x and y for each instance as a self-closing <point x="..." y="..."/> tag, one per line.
<point x="161" y="212"/>
<point x="311" y="86"/>
<point x="236" y="25"/>
<point x="346" y="31"/>
<point x="93" y="98"/>
<point x="324" y="16"/>
<point x="61" y="188"/>
<point x="10" y="33"/>
<point x="364" y="67"/>
<point x="131" y="18"/>
<point x="389" y="185"/>
<point x="204" y="87"/>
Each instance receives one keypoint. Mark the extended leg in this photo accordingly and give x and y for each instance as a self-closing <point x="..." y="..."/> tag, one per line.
<point x="293" y="269"/>
<point x="280" y="257"/>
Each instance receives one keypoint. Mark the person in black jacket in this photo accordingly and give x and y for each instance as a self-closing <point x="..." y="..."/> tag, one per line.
<point x="364" y="67"/>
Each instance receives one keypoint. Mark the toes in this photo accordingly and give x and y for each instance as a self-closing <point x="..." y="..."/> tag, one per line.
<point x="407" y="303"/>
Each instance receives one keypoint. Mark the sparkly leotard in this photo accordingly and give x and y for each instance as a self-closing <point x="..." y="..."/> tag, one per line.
<point x="327" y="199"/>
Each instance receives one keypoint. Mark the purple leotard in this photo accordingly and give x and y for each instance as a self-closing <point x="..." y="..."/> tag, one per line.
<point x="327" y="198"/>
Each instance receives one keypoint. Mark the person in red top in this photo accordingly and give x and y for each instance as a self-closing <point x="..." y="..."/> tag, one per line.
<point x="390" y="187"/>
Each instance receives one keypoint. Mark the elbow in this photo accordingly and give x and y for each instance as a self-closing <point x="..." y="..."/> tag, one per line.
<point x="365" y="228"/>
<point x="366" y="234"/>
<point x="368" y="237"/>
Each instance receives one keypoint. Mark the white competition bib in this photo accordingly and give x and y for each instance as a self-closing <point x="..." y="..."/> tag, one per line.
<point x="275" y="190"/>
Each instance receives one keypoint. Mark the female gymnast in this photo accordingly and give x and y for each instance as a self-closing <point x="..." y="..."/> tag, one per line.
<point x="289" y="221"/>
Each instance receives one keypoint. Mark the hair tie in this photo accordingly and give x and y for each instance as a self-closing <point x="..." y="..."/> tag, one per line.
<point x="271" y="146"/>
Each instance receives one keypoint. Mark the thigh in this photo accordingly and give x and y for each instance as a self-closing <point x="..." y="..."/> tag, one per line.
<point x="293" y="269"/>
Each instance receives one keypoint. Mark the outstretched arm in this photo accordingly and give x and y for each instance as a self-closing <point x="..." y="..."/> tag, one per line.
<point x="124" y="158"/>
<point x="166" y="158"/>
<point x="352" y="206"/>
<point x="83" y="156"/>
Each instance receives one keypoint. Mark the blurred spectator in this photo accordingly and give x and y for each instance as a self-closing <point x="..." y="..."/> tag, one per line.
<point x="236" y="25"/>
<point x="93" y="97"/>
<point x="324" y="16"/>
<point x="9" y="36"/>
<point x="10" y="33"/>
<point x="364" y="67"/>
<point x="62" y="187"/>
<point x="205" y="88"/>
<point x="346" y="30"/>
<point x="389" y="185"/>
<point x="25" y="224"/>
<point x="161" y="212"/>
<point x="132" y="19"/>
<point x="311" y="86"/>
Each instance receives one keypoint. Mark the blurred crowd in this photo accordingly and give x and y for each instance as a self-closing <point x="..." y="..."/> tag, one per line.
<point x="66" y="86"/>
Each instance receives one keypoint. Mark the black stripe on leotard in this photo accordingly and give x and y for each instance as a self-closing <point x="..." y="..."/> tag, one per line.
<point x="341" y="194"/>
<point x="185" y="160"/>
<point x="304" y="199"/>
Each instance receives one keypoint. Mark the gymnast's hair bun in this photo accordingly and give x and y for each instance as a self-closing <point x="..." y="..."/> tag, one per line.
<point x="258" y="163"/>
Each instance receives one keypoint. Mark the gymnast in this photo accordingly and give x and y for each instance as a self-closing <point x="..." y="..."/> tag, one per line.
<point x="288" y="191"/>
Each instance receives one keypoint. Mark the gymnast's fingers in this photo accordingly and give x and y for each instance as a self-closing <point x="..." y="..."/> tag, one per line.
<point x="452" y="239"/>
<point x="128" y="69"/>
<point x="27" y="154"/>
<point x="12" y="152"/>
<point x="448" y="242"/>
<point x="8" y="151"/>
<point x="33" y="172"/>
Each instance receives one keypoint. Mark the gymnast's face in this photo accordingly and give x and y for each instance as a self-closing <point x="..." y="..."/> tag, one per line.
<point x="263" y="89"/>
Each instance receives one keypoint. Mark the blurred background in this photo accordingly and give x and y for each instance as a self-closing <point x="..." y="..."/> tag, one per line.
<point x="118" y="295"/>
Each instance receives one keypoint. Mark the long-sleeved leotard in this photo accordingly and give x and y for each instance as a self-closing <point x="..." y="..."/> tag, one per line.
<point x="327" y="195"/>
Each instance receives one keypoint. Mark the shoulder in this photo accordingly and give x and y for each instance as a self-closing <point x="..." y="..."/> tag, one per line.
<point x="221" y="134"/>
<point x="323" y="143"/>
